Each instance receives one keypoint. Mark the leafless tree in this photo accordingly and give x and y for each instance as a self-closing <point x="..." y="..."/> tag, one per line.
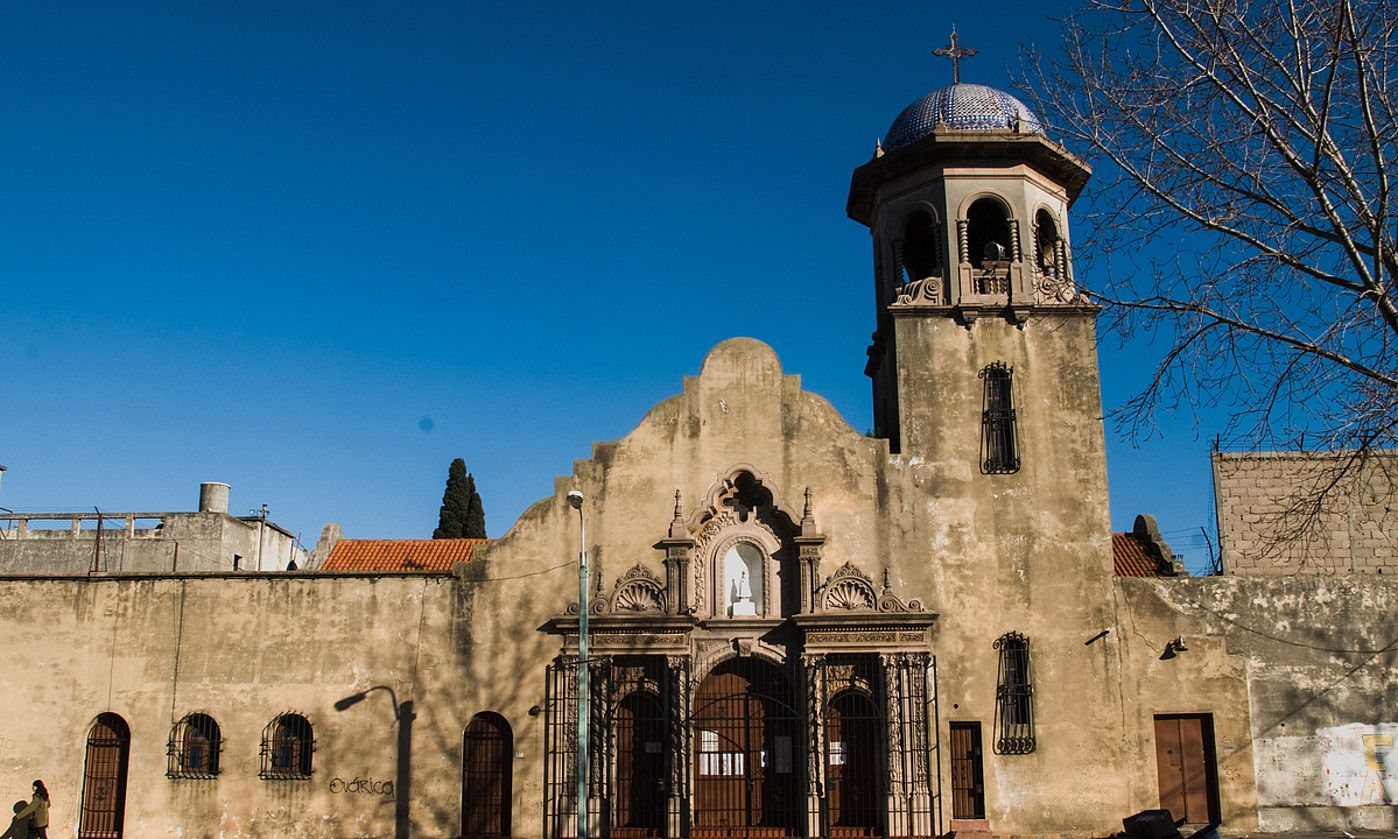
<point x="1243" y="211"/>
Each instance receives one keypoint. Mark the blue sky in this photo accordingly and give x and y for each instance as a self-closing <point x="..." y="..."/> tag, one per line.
<point x="316" y="250"/>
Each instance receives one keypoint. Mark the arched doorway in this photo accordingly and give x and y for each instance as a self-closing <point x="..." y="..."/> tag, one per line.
<point x="640" y="766"/>
<point x="746" y="780"/>
<point x="104" y="779"/>
<point x="486" y="759"/>
<point x="853" y="738"/>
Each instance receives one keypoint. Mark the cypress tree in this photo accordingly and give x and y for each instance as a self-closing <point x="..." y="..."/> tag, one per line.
<point x="456" y="502"/>
<point x="462" y="515"/>
<point x="475" y="512"/>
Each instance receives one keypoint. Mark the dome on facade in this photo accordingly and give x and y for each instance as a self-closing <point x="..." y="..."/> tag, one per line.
<point x="961" y="107"/>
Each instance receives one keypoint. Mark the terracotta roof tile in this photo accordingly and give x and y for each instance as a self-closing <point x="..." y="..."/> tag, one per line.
<point x="425" y="555"/>
<point x="1130" y="558"/>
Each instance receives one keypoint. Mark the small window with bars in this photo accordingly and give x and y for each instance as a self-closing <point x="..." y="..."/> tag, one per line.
<point x="999" y="439"/>
<point x="195" y="744"/>
<point x="1014" y="697"/>
<point x="287" y="745"/>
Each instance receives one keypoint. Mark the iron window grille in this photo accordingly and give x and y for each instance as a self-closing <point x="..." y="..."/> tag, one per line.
<point x="287" y="745"/>
<point x="999" y="438"/>
<point x="1014" y="697"/>
<point x="195" y="744"/>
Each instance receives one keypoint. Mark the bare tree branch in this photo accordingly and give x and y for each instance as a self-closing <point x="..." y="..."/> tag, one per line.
<point x="1245" y="153"/>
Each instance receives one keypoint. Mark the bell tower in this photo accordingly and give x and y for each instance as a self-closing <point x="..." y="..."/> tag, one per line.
<point x="967" y="199"/>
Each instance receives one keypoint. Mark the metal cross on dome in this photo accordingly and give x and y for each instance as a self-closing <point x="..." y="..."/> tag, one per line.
<point x="955" y="52"/>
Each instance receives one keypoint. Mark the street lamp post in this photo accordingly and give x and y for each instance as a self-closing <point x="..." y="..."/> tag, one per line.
<point x="575" y="500"/>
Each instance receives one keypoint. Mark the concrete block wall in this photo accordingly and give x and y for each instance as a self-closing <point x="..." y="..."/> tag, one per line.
<point x="1266" y="526"/>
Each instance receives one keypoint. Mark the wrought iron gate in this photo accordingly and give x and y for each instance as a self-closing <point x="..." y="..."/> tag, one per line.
<point x="746" y="750"/>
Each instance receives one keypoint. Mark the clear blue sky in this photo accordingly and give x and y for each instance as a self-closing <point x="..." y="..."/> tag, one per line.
<point x="316" y="250"/>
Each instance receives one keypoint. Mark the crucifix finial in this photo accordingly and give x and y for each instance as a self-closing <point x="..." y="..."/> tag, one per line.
<point x="955" y="52"/>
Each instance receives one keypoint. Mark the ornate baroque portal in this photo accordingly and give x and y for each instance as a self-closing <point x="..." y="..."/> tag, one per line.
<point x="745" y="694"/>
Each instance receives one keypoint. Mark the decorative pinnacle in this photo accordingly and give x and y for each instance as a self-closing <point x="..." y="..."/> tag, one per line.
<point x="677" y="505"/>
<point x="807" y="513"/>
<point x="955" y="52"/>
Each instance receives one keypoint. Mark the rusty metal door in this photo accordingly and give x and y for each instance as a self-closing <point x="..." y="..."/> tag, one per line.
<point x="487" y="757"/>
<point x="967" y="771"/>
<point x="854" y="752"/>
<point x="104" y="779"/>
<point x="640" y="767"/>
<point x="1184" y="759"/>
<point x="745" y="752"/>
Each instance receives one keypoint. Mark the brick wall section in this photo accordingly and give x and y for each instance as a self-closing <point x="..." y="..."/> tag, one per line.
<point x="1263" y="531"/>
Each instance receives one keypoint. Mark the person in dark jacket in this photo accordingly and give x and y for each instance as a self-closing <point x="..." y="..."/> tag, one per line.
<point x="37" y="812"/>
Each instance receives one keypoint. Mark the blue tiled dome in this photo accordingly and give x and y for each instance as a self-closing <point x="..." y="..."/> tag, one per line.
<point x="962" y="107"/>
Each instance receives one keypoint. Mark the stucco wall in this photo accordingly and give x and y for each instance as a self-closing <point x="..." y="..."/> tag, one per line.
<point x="1301" y="677"/>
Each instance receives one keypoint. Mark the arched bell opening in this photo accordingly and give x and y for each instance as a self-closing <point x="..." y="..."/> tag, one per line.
<point x="1048" y="244"/>
<point x="988" y="233"/>
<point x="746" y="752"/>
<point x="920" y="247"/>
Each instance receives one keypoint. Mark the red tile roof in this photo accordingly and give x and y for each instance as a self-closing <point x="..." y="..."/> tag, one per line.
<point x="399" y="554"/>
<point x="1131" y="559"/>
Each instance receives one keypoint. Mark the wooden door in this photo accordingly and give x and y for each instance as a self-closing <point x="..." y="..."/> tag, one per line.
<point x="104" y="779"/>
<point x="487" y="757"/>
<point x="967" y="771"/>
<point x="745" y="752"/>
<point x="854" y="749"/>
<point x="640" y="767"/>
<point x="1184" y="759"/>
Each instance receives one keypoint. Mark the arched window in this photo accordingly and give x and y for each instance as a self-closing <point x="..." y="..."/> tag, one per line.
<point x="1014" y="697"/>
<point x="195" y="744"/>
<point x="486" y="770"/>
<point x="988" y="232"/>
<point x="287" y="745"/>
<point x="920" y="247"/>
<point x="1047" y="245"/>
<point x="104" y="779"/>
<point x="999" y="437"/>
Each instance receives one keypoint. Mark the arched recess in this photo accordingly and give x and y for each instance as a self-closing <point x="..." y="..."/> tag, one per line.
<point x="104" y="779"/>
<point x="487" y="761"/>
<point x="746" y="751"/>
<point x="641" y="765"/>
<point x="1047" y="244"/>
<point x="989" y="231"/>
<point x="920" y="257"/>
<point x="854" y="745"/>
<point x="743" y="526"/>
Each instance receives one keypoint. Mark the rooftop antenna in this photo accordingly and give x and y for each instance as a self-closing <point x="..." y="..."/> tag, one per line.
<point x="955" y="52"/>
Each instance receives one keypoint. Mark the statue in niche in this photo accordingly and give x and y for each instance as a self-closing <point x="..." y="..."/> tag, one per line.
<point x="742" y="583"/>
<point x="742" y="596"/>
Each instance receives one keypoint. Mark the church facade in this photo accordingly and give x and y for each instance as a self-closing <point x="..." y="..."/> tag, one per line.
<point x="794" y="629"/>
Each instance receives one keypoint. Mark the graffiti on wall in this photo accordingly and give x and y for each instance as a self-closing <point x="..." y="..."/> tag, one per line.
<point x="1361" y="763"/>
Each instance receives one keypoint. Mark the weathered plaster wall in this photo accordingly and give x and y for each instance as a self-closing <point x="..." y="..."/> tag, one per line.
<point x="990" y="554"/>
<point x="1301" y="676"/>
<point x="1259" y="497"/>
<point x="164" y="542"/>
<point x="242" y="649"/>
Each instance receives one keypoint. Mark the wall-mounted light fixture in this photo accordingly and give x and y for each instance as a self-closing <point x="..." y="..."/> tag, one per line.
<point x="1173" y="648"/>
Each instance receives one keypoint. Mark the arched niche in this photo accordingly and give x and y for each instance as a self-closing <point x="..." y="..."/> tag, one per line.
<point x="744" y="557"/>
